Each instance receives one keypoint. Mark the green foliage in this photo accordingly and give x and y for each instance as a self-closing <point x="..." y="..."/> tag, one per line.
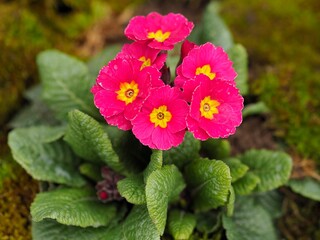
<point x="249" y="221"/>
<point x="238" y="55"/>
<point x="66" y="84"/>
<point x="186" y="152"/>
<point x="214" y="29"/>
<point x="307" y="187"/>
<point x="155" y="163"/>
<point x="272" y="168"/>
<point x="162" y="186"/>
<point x="72" y="206"/>
<point x="210" y="182"/>
<point x="138" y="225"/>
<point x="132" y="189"/>
<point x="231" y="201"/>
<point x="40" y="152"/>
<point x="89" y="141"/>
<point x="91" y="171"/>
<point x="246" y="184"/>
<point x="51" y="230"/>
<point x="181" y="224"/>
<point x="216" y="148"/>
<point x="237" y="168"/>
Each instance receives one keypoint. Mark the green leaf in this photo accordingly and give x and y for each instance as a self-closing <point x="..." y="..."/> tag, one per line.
<point x="36" y="113"/>
<point x="155" y="163"/>
<point x="271" y="201"/>
<point x="237" y="169"/>
<point x="43" y="156"/>
<point x="51" y="230"/>
<point x="273" y="168"/>
<point x="136" y="156"/>
<point x="307" y="187"/>
<point x="231" y="200"/>
<point x="133" y="189"/>
<point x="210" y="182"/>
<point x="246" y="184"/>
<point x="91" y="171"/>
<point x="249" y="222"/>
<point x="139" y="225"/>
<point x="184" y="153"/>
<point x="102" y="58"/>
<point x="162" y="186"/>
<point x="89" y="141"/>
<point x="72" y="206"/>
<point x="216" y="148"/>
<point x="208" y="222"/>
<point x="181" y="224"/>
<point x="239" y="56"/>
<point x="255" y="108"/>
<point x="214" y="29"/>
<point x="66" y="84"/>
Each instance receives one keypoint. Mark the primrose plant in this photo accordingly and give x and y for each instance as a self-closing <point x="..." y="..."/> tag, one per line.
<point x="157" y="165"/>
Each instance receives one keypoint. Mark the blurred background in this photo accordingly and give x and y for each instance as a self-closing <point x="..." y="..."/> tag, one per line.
<point x="282" y="39"/>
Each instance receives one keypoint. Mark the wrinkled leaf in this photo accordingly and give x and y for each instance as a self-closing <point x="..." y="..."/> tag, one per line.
<point x="43" y="156"/>
<point x="89" y="141"/>
<point x="273" y="168"/>
<point x="51" y="230"/>
<point x="249" y="222"/>
<point x="184" y="153"/>
<point x="246" y="184"/>
<point x="181" y="224"/>
<point x="271" y="201"/>
<point x="237" y="169"/>
<point x="230" y="204"/>
<point x="133" y="189"/>
<point x="162" y="186"/>
<point x="72" y="206"/>
<point x="238" y="55"/>
<point x="210" y="182"/>
<point x="214" y="29"/>
<point x="307" y="187"/>
<point x="137" y="226"/>
<point x="155" y="163"/>
<point x="66" y="84"/>
<point x="91" y="171"/>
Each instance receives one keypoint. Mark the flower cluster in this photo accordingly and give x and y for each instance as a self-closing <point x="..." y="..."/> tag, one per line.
<point x="131" y="92"/>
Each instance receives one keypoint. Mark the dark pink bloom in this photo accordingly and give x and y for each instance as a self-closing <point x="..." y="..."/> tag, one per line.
<point x="120" y="89"/>
<point x="161" y="122"/>
<point x="206" y="60"/>
<point x="215" y="109"/>
<point x="159" y="32"/>
<point x="148" y="56"/>
<point x="186" y="47"/>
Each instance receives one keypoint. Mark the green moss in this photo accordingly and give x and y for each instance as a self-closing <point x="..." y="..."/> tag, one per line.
<point x="283" y="42"/>
<point x="17" y="192"/>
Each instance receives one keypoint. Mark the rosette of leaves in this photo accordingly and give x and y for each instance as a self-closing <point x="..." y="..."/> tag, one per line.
<point x="189" y="192"/>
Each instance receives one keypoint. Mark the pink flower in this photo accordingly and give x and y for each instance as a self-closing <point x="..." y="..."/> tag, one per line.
<point x="159" y="32"/>
<point x="148" y="56"/>
<point x="215" y="109"/>
<point x="186" y="47"/>
<point x="206" y="60"/>
<point x="161" y="122"/>
<point x="120" y="89"/>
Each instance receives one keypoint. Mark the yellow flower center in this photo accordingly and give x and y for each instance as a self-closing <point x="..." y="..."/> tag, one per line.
<point x="208" y="107"/>
<point x="160" y="116"/>
<point x="159" y="35"/>
<point x="146" y="62"/>
<point x="128" y="92"/>
<point x="206" y="70"/>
